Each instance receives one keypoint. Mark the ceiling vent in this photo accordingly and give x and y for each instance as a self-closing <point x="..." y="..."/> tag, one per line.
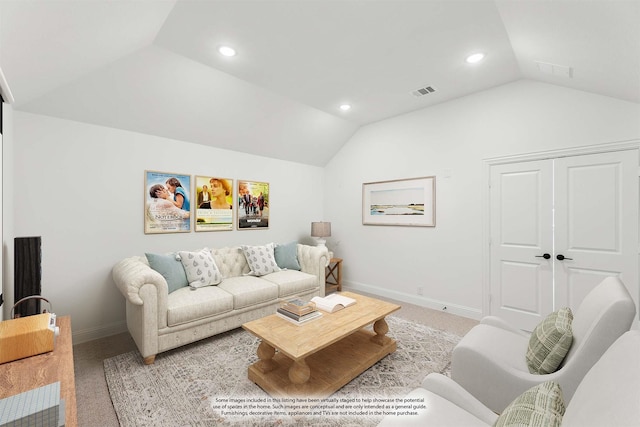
<point x="423" y="91"/>
<point x="555" y="69"/>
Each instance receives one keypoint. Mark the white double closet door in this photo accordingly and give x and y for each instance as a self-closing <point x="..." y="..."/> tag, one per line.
<point x="557" y="228"/>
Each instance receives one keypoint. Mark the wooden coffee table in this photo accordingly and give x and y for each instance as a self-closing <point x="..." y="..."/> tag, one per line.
<point x="319" y="357"/>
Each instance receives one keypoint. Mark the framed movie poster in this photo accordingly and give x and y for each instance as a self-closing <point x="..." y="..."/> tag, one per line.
<point x="253" y="205"/>
<point x="410" y="202"/>
<point x="214" y="203"/>
<point x="167" y="208"/>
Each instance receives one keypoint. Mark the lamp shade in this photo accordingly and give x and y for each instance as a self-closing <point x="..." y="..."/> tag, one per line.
<point x="320" y="229"/>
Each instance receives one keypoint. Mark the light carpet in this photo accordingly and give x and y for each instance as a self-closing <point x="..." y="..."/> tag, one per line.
<point x="184" y="385"/>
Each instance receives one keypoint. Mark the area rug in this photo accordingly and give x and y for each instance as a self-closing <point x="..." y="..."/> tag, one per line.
<point x="206" y="384"/>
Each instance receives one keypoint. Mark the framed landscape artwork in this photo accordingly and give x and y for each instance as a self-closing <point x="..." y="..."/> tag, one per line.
<point x="253" y="205"/>
<point x="409" y="202"/>
<point x="214" y="203"/>
<point x="167" y="208"/>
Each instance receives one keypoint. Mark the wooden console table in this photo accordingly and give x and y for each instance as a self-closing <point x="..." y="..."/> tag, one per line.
<point x="37" y="371"/>
<point x="333" y="277"/>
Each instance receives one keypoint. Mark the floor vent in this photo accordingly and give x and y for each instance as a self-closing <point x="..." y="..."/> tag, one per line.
<point x="423" y="91"/>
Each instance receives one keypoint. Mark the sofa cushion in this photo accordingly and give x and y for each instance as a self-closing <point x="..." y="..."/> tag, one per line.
<point x="186" y="305"/>
<point x="549" y="342"/>
<point x="170" y="268"/>
<point x="261" y="259"/>
<point x="292" y="282"/>
<point x="249" y="290"/>
<point x="287" y="256"/>
<point x="200" y="268"/>
<point x="231" y="261"/>
<point x="541" y="405"/>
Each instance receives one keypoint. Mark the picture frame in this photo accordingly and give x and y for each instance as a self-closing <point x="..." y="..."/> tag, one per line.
<point x="213" y="206"/>
<point x="167" y="208"/>
<point x="401" y="202"/>
<point x="253" y="205"/>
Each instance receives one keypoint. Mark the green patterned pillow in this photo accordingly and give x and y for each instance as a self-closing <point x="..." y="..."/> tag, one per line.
<point x="550" y="341"/>
<point x="541" y="405"/>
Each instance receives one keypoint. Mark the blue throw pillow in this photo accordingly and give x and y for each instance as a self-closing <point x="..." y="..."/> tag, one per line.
<point x="170" y="268"/>
<point x="287" y="256"/>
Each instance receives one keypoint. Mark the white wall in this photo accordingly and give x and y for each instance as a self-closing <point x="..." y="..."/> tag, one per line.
<point x="81" y="187"/>
<point x="7" y="210"/>
<point x="455" y="137"/>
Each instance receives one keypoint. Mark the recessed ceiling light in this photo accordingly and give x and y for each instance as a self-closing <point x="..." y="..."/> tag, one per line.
<point x="475" y="58"/>
<point x="345" y="107"/>
<point x="227" y="51"/>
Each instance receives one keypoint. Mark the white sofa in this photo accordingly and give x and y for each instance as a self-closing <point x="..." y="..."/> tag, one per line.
<point x="609" y="395"/>
<point x="159" y="321"/>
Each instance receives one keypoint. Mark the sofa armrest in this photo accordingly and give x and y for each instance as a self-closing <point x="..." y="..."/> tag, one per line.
<point x="146" y="293"/>
<point x="454" y="393"/>
<point x="313" y="260"/>
<point x="131" y="274"/>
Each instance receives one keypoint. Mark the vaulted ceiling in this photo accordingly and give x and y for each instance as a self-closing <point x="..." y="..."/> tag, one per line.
<point x="153" y="66"/>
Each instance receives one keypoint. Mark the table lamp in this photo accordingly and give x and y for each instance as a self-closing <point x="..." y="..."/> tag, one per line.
<point x="320" y="230"/>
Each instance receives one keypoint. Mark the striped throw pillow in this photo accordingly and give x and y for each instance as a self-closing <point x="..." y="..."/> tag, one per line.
<point x="541" y="405"/>
<point x="550" y="342"/>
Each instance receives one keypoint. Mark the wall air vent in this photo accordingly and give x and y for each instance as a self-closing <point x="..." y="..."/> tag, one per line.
<point x="555" y="69"/>
<point x="423" y="91"/>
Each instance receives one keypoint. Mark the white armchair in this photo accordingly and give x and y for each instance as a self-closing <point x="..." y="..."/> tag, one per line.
<point x="607" y="396"/>
<point x="490" y="361"/>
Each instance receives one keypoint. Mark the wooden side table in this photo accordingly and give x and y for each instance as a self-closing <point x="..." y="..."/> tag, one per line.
<point x="36" y="371"/>
<point x="333" y="276"/>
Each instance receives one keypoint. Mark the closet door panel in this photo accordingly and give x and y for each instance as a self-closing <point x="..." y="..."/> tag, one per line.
<point x="520" y="224"/>
<point x="596" y="223"/>
<point x="558" y="227"/>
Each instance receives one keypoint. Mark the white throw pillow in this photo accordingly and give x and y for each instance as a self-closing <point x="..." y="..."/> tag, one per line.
<point x="200" y="268"/>
<point x="260" y="259"/>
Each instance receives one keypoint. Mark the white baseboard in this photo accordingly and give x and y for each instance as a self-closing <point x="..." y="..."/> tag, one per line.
<point x="471" y="313"/>
<point x="99" y="332"/>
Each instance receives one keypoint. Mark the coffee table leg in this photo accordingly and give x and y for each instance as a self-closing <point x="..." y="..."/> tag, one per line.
<point x="266" y="362"/>
<point x="299" y="374"/>
<point x="381" y="328"/>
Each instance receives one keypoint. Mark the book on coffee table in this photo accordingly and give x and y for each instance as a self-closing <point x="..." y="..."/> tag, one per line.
<point x="333" y="302"/>
<point x="298" y="306"/>
<point x="298" y="320"/>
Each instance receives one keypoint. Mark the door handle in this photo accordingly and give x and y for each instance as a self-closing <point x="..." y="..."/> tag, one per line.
<point x="561" y="257"/>
<point x="545" y="256"/>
